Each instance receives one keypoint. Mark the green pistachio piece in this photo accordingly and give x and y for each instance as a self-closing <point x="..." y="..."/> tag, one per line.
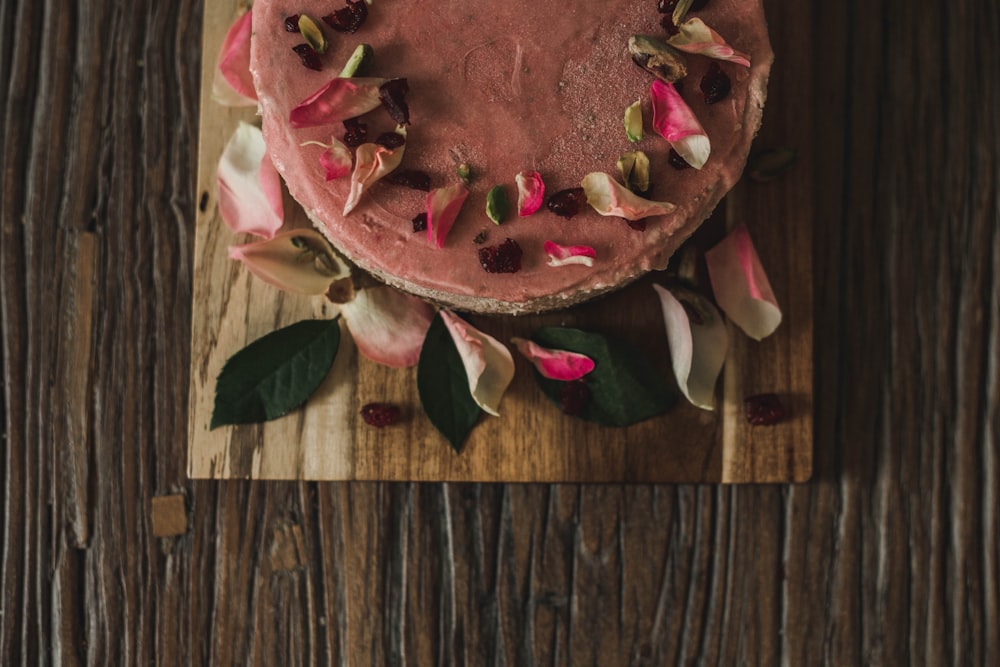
<point x="633" y="121"/>
<point x="634" y="168"/>
<point x="312" y="33"/>
<point x="681" y="10"/>
<point x="464" y="172"/>
<point x="359" y="62"/>
<point x="657" y="57"/>
<point x="771" y="163"/>
<point x="497" y="206"/>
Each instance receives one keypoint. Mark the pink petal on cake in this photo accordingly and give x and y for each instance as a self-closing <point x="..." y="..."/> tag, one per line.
<point x="372" y="163"/>
<point x="697" y="345"/>
<point x="609" y="197"/>
<point x="676" y="123"/>
<point x="443" y="206"/>
<point x="488" y="363"/>
<point x="387" y="325"/>
<point x="696" y="37"/>
<point x="740" y="285"/>
<point x="336" y="160"/>
<point x="249" y="186"/>
<point x="560" y="365"/>
<point x="337" y="101"/>
<point x="561" y="255"/>
<point x="290" y="261"/>
<point x="232" y="85"/>
<point x="530" y="192"/>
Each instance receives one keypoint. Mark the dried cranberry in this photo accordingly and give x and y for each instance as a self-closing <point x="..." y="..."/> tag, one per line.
<point x="392" y="94"/>
<point x="567" y="203"/>
<point x="420" y="222"/>
<point x="667" y="23"/>
<point x="292" y="23"/>
<point x="676" y="161"/>
<point x="764" y="409"/>
<point x="308" y="57"/>
<point x="503" y="258"/>
<point x="667" y="6"/>
<point x="715" y="85"/>
<point x="637" y="225"/>
<point x="355" y="132"/>
<point x="350" y="18"/>
<point x="381" y="414"/>
<point x="410" y="178"/>
<point x="390" y="140"/>
<point x="574" y="397"/>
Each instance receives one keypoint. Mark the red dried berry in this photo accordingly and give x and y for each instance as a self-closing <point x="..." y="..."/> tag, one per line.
<point x="567" y="203"/>
<point x="764" y="409"/>
<point x="390" y="140"/>
<point x="381" y="414"/>
<point x="308" y="57"/>
<point x="574" y="397"/>
<point x="667" y="23"/>
<point x="392" y="94"/>
<point x="348" y="19"/>
<point x="715" y="85"/>
<point x="676" y="161"/>
<point x="420" y="222"/>
<point x="410" y="178"/>
<point x="503" y="258"/>
<point x="637" y="225"/>
<point x="292" y="23"/>
<point x="355" y="132"/>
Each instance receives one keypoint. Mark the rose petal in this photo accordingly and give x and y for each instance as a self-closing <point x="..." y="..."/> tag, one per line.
<point x="336" y="101"/>
<point x="740" y="285"/>
<point x="561" y="255"/>
<point x="297" y="260"/>
<point x="249" y="186"/>
<point x="697" y="349"/>
<point x="608" y="197"/>
<point x="676" y="123"/>
<point x="530" y="192"/>
<point x="387" y="325"/>
<point x="487" y="362"/>
<point x="372" y="163"/>
<point x="443" y="206"/>
<point x="336" y="160"/>
<point x="554" y="364"/>
<point x="696" y="37"/>
<point x="232" y="85"/>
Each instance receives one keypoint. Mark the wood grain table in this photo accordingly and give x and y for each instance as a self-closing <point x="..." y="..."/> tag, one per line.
<point x="889" y="556"/>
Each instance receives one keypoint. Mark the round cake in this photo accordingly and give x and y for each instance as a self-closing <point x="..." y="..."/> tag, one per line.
<point x="502" y="88"/>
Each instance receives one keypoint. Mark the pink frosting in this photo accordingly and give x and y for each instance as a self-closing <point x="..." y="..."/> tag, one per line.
<point x="544" y="88"/>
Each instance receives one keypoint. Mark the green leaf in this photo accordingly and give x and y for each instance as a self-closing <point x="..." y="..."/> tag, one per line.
<point x="624" y="387"/>
<point x="275" y="374"/>
<point x="444" y="386"/>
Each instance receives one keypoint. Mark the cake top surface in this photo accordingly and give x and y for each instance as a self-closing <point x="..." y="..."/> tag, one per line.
<point x="506" y="88"/>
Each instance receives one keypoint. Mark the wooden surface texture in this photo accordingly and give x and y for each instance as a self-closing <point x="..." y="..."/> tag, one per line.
<point x="889" y="556"/>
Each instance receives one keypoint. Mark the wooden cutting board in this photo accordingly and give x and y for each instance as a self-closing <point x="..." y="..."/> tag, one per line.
<point x="532" y="441"/>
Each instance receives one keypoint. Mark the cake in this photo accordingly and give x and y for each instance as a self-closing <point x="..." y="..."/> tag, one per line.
<point x="501" y="89"/>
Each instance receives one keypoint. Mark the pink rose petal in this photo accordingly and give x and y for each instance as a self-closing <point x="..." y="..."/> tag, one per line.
<point x="387" y="325"/>
<point x="232" y="85"/>
<point x="336" y="160"/>
<point x="676" y="123"/>
<point x="561" y="255"/>
<point x="249" y="186"/>
<point x="530" y="192"/>
<point x="740" y="285"/>
<point x="443" y="206"/>
<point x="372" y="163"/>
<point x="696" y="37"/>
<point x="554" y="364"/>
<point x="293" y="266"/>
<point x="488" y="363"/>
<point x="336" y="101"/>
<point x="697" y="348"/>
<point x="608" y="197"/>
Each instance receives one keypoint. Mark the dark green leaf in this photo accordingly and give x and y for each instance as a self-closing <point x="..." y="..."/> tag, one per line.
<point x="275" y="374"/>
<point x="624" y="386"/>
<point x="444" y="386"/>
